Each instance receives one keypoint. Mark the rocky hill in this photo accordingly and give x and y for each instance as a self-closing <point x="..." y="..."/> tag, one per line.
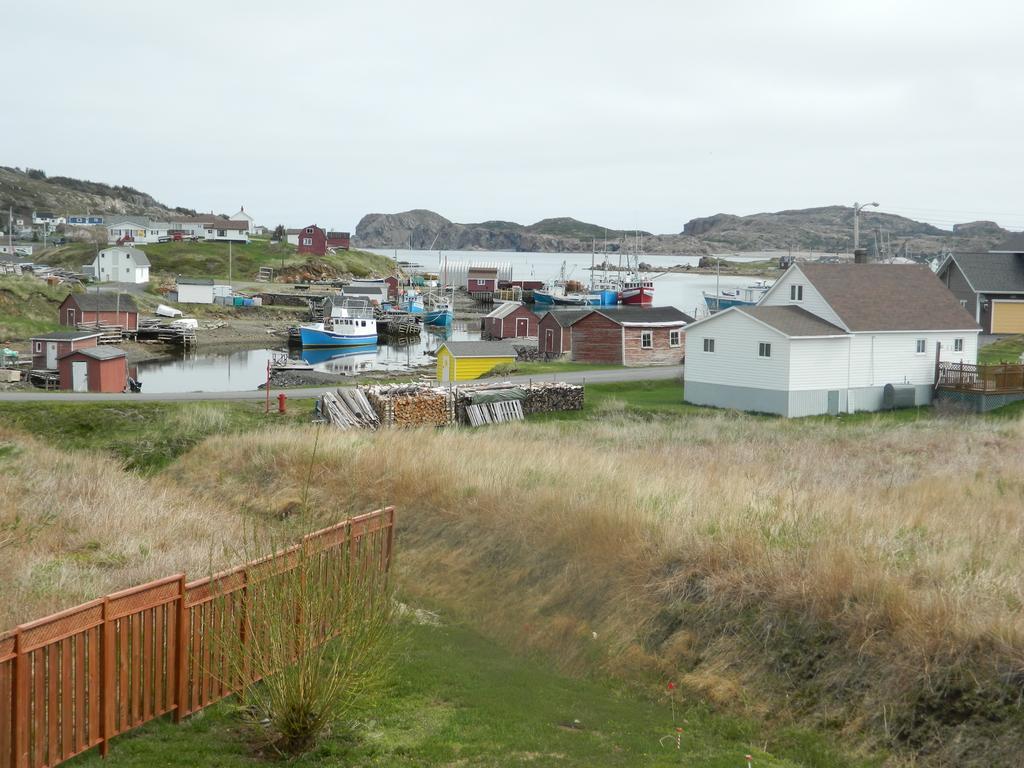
<point x="827" y="229"/>
<point x="32" y="190"/>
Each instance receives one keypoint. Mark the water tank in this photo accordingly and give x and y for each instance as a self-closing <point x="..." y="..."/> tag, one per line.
<point x="899" y="396"/>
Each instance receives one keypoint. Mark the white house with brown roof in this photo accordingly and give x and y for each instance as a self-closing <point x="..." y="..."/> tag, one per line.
<point x="828" y="338"/>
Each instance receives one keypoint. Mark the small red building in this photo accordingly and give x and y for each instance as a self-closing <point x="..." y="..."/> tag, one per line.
<point x="482" y="280"/>
<point x="338" y="240"/>
<point x="510" y="320"/>
<point x="392" y="283"/>
<point x="313" y="240"/>
<point x="630" y="335"/>
<point x="554" y="331"/>
<point x="526" y="285"/>
<point x="103" y="308"/>
<point x="48" y="349"/>
<point x="95" y="369"/>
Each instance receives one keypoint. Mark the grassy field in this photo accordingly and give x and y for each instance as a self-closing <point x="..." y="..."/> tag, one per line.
<point x="27" y="306"/>
<point x="1006" y="350"/>
<point x="202" y="259"/>
<point x="459" y="699"/>
<point x="859" y="576"/>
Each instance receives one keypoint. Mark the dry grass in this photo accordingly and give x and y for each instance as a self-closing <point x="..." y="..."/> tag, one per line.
<point x="865" y="577"/>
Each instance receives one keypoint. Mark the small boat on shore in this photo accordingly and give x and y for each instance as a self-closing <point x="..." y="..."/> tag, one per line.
<point x="741" y="297"/>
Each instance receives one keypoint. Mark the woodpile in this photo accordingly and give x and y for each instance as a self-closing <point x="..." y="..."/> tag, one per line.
<point x="547" y="397"/>
<point x="348" y="409"/>
<point x="411" y="405"/>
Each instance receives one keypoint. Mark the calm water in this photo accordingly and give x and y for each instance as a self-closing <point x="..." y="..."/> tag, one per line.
<point x="675" y="290"/>
<point x="247" y="369"/>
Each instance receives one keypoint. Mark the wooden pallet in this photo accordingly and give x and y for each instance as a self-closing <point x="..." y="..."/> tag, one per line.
<point x="494" y="413"/>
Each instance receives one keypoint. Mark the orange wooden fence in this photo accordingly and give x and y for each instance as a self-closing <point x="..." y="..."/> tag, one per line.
<point x="76" y="679"/>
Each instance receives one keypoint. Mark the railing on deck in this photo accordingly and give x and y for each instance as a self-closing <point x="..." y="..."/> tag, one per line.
<point x="76" y="679"/>
<point x="990" y="379"/>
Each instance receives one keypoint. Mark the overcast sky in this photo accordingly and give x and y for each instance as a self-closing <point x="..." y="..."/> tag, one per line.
<point x="627" y="114"/>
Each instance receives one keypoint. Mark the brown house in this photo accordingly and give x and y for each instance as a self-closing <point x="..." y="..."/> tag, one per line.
<point x="510" y="320"/>
<point x="554" y="331"/>
<point x="105" y="308"/>
<point x="630" y="336"/>
<point x="95" y="369"/>
<point x="48" y="349"/>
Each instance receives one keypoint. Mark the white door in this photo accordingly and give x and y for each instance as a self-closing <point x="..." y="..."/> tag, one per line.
<point x="79" y="376"/>
<point x="446" y="369"/>
<point x="51" y="355"/>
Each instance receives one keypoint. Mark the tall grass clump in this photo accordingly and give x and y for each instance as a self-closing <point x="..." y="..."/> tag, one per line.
<point x="866" y="577"/>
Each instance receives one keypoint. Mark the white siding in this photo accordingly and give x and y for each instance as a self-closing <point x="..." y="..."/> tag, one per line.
<point x="735" y="360"/>
<point x="813" y="302"/>
<point x="819" y="363"/>
<point x="890" y="358"/>
<point x="195" y="294"/>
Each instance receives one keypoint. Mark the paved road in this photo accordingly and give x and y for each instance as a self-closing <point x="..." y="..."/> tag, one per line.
<point x="580" y="377"/>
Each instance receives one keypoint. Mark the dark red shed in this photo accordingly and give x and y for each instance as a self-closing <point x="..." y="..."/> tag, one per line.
<point x="510" y="320"/>
<point x="103" y="308"/>
<point x="95" y="369"/>
<point x="313" y="240"/>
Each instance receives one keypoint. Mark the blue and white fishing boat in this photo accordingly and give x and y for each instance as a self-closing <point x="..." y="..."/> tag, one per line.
<point x="411" y="301"/>
<point x="346" y="326"/>
<point x="741" y="297"/>
<point x="604" y="294"/>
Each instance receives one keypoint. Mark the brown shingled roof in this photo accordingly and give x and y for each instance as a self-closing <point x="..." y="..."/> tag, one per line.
<point x="793" y="321"/>
<point x="888" y="297"/>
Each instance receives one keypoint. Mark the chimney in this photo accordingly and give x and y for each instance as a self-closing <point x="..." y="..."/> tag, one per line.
<point x="860" y="255"/>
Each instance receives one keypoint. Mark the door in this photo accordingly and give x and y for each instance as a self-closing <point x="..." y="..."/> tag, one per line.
<point x="446" y="362"/>
<point x="71" y="315"/>
<point x="80" y="376"/>
<point x="549" y="340"/>
<point x="833" y="402"/>
<point x="522" y="327"/>
<point x="51" y="355"/>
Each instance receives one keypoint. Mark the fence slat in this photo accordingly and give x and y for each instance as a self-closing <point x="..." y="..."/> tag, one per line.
<point x="80" y="741"/>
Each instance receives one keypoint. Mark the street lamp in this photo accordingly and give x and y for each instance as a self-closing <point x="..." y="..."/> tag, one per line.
<point x="857" y="207"/>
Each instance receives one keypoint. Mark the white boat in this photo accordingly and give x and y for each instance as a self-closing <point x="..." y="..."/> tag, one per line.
<point x="346" y="326"/>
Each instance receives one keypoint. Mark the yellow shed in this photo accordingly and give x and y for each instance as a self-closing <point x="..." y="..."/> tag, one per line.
<point x="465" y="360"/>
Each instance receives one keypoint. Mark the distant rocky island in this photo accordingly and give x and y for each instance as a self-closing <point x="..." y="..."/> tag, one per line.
<point x="828" y="229"/>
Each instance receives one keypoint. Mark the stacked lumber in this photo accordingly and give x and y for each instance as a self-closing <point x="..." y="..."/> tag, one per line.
<point x="493" y="413"/>
<point x="411" y="405"/>
<point x="547" y="397"/>
<point x="348" y="409"/>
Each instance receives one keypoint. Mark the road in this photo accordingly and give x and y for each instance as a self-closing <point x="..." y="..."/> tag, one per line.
<point x="580" y="377"/>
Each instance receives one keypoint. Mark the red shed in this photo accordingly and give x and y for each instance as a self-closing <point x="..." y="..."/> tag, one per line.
<point x="103" y="308"/>
<point x="96" y="369"/>
<point x="554" y="332"/>
<point x="48" y="349"/>
<point x="338" y="240"/>
<point x="510" y="320"/>
<point x="313" y="240"/>
<point x="392" y="282"/>
<point x="630" y="335"/>
<point x="482" y="280"/>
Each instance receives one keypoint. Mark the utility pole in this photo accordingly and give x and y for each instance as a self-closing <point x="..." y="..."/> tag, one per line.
<point x="857" y="208"/>
<point x="229" y="262"/>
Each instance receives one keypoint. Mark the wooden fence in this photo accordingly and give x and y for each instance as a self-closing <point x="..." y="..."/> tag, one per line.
<point x="990" y="379"/>
<point x="76" y="679"/>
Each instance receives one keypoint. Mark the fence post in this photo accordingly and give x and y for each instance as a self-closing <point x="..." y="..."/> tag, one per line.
<point x="107" y="687"/>
<point x="243" y="634"/>
<point x="390" y="539"/>
<point x="20" y="710"/>
<point x="182" y="656"/>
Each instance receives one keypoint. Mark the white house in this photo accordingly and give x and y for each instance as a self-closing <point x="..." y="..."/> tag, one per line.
<point x="292" y="236"/>
<point x="120" y="264"/>
<point x="828" y="338"/>
<point x="136" y="230"/>
<point x="224" y="230"/>
<point x="243" y="216"/>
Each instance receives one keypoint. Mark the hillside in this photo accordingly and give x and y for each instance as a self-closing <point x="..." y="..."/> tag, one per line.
<point x="827" y="229"/>
<point x="31" y="189"/>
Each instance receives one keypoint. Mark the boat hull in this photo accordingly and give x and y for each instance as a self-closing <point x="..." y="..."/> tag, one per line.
<point x="604" y="297"/>
<point x="438" y="317"/>
<point x="317" y="337"/>
<point x="542" y="297"/>
<point x="637" y="296"/>
<point x="716" y="303"/>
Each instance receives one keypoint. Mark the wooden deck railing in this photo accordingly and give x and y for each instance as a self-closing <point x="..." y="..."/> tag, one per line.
<point x="989" y="379"/>
<point x="76" y="679"/>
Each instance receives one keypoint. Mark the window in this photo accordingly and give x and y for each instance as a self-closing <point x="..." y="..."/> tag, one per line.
<point x="39" y="346"/>
<point x="958" y="345"/>
<point x="709" y="345"/>
<point x="647" y="339"/>
<point x="796" y="293"/>
<point x="920" y="346"/>
<point x="764" y="349"/>
<point x="309" y="230"/>
<point x="307" y="241"/>
<point x="481" y="282"/>
<point x="222" y="233"/>
<point x="673" y="338"/>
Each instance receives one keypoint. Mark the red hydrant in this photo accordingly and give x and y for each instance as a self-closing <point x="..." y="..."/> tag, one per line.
<point x="281" y="399"/>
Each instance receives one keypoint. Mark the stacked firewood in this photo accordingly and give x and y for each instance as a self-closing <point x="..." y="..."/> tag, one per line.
<point x="546" y="397"/>
<point x="411" y="405"/>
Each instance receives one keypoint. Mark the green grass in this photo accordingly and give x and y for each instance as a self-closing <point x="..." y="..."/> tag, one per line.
<point x="144" y="436"/>
<point x="202" y="259"/>
<point x="459" y="699"/>
<point x="1006" y="350"/>
<point x="28" y="306"/>
<point x="638" y="398"/>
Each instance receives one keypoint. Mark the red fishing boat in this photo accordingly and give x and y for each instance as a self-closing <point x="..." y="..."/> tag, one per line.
<point x="637" y="290"/>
